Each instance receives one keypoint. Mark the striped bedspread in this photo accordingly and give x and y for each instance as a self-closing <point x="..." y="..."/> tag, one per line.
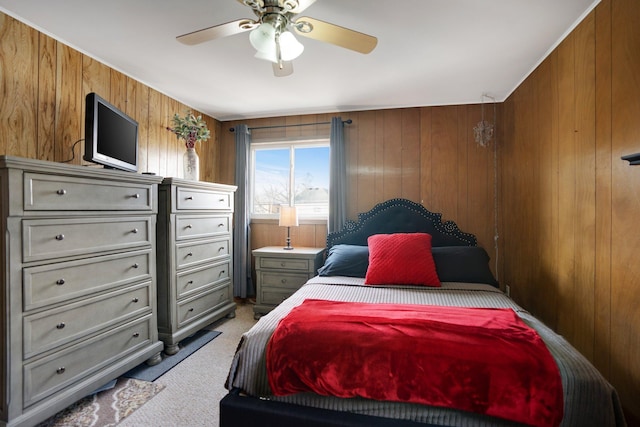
<point x="589" y="398"/>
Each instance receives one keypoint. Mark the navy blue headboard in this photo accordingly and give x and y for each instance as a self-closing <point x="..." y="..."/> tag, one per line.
<point x="400" y="216"/>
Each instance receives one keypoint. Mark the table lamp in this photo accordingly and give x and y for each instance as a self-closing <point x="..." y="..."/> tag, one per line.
<point x="288" y="218"/>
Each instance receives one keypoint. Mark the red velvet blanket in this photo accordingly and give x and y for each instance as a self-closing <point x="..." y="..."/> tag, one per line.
<point x="486" y="361"/>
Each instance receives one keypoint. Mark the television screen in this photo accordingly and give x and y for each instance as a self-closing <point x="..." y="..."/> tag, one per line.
<point x="111" y="137"/>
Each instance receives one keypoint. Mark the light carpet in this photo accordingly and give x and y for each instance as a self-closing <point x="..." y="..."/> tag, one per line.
<point x="195" y="387"/>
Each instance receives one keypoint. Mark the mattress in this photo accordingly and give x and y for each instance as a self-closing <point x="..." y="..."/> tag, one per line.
<point x="589" y="398"/>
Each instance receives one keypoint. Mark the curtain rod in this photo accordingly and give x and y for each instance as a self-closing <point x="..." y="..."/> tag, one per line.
<point x="348" y="121"/>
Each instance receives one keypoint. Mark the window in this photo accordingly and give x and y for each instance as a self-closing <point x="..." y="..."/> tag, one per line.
<point x="286" y="173"/>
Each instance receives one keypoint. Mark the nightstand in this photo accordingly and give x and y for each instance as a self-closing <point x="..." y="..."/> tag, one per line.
<point x="281" y="272"/>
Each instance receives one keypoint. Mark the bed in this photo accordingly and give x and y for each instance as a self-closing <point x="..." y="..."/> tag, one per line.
<point x="379" y="264"/>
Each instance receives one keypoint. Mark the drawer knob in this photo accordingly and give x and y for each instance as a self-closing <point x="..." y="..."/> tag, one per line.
<point x="221" y="248"/>
<point x="190" y="310"/>
<point x="221" y="225"/>
<point x="61" y="192"/>
<point x="135" y="300"/>
<point x="60" y="325"/>
<point x="189" y="198"/>
<point x="61" y="370"/>
<point x="190" y="254"/>
<point x="134" y="231"/>
<point x="60" y="237"/>
<point x="135" y="265"/>
<point x="189" y="226"/>
<point x="282" y="264"/>
<point x="284" y="281"/>
<point x="136" y="334"/>
<point x="60" y="282"/>
<point x="136" y="196"/>
<point x="190" y="282"/>
<point x="221" y="273"/>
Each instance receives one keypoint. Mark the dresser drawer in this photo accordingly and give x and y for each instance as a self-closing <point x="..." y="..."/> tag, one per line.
<point x="274" y="296"/>
<point x="61" y="193"/>
<point x="199" y="226"/>
<point x="196" y="199"/>
<point x="53" y="283"/>
<point x="55" y="238"/>
<point x="193" y="308"/>
<point x="285" y="263"/>
<point x="48" y="375"/>
<point x="190" y="281"/>
<point x="282" y="280"/>
<point x="193" y="253"/>
<point x="49" y="329"/>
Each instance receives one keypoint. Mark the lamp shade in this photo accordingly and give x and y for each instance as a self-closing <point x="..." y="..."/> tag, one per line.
<point x="290" y="47"/>
<point x="274" y="47"/>
<point x="263" y="38"/>
<point x="288" y="216"/>
<point x="268" y="55"/>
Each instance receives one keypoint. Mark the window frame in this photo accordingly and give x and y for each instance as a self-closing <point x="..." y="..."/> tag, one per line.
<point x="291" y="144"/>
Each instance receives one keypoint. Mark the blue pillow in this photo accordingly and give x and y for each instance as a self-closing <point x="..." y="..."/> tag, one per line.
<point x="463" y="264"/>
<point x="346" y="260"/>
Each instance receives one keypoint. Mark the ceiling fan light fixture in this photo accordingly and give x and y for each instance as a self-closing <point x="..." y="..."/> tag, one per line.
<point x="267" y="55"/>
<point x="290" y="47"/>
<point x="263" y="38"/>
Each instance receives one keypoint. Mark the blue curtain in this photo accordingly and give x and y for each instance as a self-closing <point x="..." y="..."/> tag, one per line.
<point x="337" y="176"/>
<point x="242" y="283"/>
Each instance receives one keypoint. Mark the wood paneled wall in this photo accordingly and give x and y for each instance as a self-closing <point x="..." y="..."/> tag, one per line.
<point x="569" y="204"/>
<point x="428" y="155"/>
<point x="43" y="84"/>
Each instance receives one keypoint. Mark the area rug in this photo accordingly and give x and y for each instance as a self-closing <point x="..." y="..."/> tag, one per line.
<point x="106" y="408"/>
<point x="188" y="346"/>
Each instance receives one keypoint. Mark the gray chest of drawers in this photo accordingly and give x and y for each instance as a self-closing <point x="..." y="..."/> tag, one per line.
<point x="195" y="267"/>
<point x="78" y="303"/>
<point x="280" y="272"/>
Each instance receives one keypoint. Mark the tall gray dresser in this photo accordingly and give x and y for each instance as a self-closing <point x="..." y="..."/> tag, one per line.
<point x="195" y="266"/>
<point x="78" y="301"/>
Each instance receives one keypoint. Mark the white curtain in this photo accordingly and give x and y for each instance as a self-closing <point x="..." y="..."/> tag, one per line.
<point x="337" y="176"/>
<point x="242" y="282"/>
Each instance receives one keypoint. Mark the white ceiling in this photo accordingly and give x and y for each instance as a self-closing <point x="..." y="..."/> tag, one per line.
<point x="429" y="52"/>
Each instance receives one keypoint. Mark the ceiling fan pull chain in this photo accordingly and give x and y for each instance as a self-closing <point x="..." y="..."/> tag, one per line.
<point x="278" y="50"/>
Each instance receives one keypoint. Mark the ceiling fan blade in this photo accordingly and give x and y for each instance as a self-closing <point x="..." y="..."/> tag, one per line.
<point x="334" y="34"/>
<point x="283" y="69"/>
<point x="217" y="31"/>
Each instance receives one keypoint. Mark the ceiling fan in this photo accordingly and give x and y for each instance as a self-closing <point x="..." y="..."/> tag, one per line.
<point x="271" y="36"/>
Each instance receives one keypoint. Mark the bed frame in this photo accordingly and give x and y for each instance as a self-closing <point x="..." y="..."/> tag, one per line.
<point x="392" y="216"/>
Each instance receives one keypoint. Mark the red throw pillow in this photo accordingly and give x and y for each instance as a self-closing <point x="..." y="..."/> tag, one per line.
<point x="401" y="259"/>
